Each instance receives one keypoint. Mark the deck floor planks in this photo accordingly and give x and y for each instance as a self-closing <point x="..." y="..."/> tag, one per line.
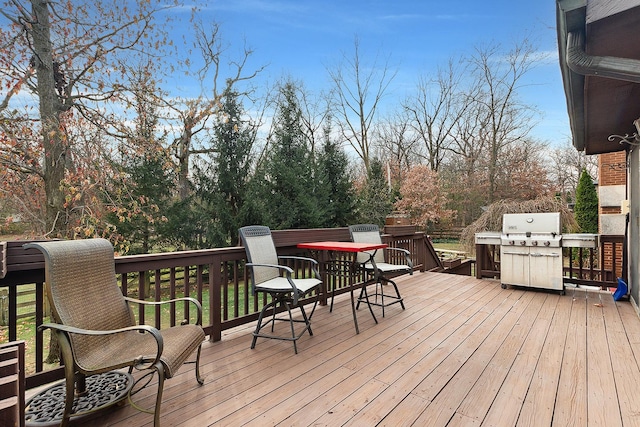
<point x="367" y="359"/>
<point x="538" y="404"/>
<point x="450" y="317"/>
<point x="625" y="368"/>
<point x="480" y="398"/>
<point x="454" y="335"/>
<point x="457" y="337"/>
<point x="535" y="371"/>
<point x="304" y="370"/>
<point x="474" y="356"/>
<point x="602" y="404"/>
<point x="376" y="346"/>
<point x="571" y="395"/>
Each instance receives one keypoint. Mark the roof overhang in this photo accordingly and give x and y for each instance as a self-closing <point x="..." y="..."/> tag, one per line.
<point x="600" y="67"/>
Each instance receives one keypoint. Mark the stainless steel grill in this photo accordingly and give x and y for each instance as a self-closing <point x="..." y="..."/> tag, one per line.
<point x="531" y="251"/>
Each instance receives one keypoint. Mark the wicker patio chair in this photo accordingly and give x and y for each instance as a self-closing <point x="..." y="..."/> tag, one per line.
<point x="95" y="325"/>
<point x="278" y="281"/>
<point x="377" y="264"/>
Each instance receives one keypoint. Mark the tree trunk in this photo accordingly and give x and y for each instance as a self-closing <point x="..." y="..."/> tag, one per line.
<point x="52" y="135"/>
<point x="53" y="138"/>
<point x="184" y="148"/>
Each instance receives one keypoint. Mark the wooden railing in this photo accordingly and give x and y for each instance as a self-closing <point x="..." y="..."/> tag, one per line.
<point x="216" y="277"/>
<point x="582" y="266"/>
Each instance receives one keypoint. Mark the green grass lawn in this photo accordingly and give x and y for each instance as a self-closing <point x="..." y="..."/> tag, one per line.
<point x="448" y="245"/>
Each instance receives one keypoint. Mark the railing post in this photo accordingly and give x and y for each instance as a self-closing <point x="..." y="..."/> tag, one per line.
<point x="215" y="299"/>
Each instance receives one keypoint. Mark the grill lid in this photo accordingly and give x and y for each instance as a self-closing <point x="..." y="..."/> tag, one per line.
<point x="531" y="223"/>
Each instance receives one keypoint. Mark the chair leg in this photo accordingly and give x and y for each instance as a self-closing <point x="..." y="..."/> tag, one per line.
<point x="292" y="324"/>
<point x="379" y="284"/>
<point x="307" y="320"/>
<point x="69" y="375"/>
<point x="400" y="300"/>
<point x="156" y="415"/>
<point x="286" y="304"/>
<point x="260" y="318"/>
<point x="333" y="295"/>
<point x="363" y="292"/>
<point x="69" y="395"/>
<point x="199" y="378"/>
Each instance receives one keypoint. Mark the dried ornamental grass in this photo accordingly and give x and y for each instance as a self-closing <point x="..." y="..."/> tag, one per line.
<point x="491" y="219"/>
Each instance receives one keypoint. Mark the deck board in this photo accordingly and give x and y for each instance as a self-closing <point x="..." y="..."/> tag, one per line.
<point x="465" y="352"/>
<point x="571" y="397"/>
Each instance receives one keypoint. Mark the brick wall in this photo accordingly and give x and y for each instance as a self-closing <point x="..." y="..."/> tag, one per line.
<point x="608" y="210"/>
<point x="612" y="170"/>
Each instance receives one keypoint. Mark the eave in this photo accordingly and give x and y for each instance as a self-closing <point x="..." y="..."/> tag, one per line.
<point x="600" y="67"/>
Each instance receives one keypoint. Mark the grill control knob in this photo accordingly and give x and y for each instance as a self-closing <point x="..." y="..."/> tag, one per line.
<point x="523" y="242"/>
<point x="547" y="243"/>
<point x="511" y="242"/>
<point x="534" y="243"/>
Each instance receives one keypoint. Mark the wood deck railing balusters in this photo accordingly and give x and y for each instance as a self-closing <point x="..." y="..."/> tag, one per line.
<point x="39" y="335"/>
<point x="157" y="287"/>
<point x="221" y="272"/>
<point x="172" y="295"/>
<point x="141" y="295"/>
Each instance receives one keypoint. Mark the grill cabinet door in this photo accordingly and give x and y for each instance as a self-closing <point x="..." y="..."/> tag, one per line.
<point x="545" y="266"/>
<point x="514" y="265"/>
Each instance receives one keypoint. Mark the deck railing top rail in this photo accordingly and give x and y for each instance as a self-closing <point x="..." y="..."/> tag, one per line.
<point x="214" y="276"/>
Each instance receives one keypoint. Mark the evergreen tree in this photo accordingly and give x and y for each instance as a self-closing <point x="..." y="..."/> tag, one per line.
<point x="288" y="190"/>
<point x="334" y="187"/>
<point x="586" y="208"/>
<point x="222" y="184"/>
<point x="141" y="192"/>
<point x="375" y="202"/>
<point x="144" y="190"/>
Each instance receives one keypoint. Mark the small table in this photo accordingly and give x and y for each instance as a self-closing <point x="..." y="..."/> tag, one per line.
<point x="331" y="248"/>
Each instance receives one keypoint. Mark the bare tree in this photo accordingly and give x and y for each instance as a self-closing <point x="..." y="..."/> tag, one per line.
<point x="193" y="113"/>
<point x="398" y="143"/>
<point x="358" y="92"/>
<point x="435" y="109"/>
<point x="315" y="112"/>
<point x="65" y="55"/>
<point x="565" y="166"/>
<point x="506" y="120"/>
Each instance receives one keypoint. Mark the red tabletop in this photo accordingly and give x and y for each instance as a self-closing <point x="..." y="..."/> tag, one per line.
<point x="342" y="246"/>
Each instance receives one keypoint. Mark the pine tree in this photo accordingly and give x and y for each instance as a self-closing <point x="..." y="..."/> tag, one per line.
<point x="289" y="198"/>
<point x="334" y="188"/>
<point x="586" y="208"/>
<point x="222" y="183"/>
<point x="144" y="189"/>
<point x="375" y="202"/>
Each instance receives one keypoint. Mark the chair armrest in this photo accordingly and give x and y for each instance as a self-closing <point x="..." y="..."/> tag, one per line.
<point x="188" y="299"/>
<point x="140" y="328"/>
<point x="407" y="256"/>
<point x="286" y="269"/>
<point x="280" y="267"/>
<point x="288" y="272"/>
<point x="313" y="262"/>
<point x="404" y="251"/>
<point x="301" y="258"/>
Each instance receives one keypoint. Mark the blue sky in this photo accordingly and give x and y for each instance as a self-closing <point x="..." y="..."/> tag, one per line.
<point x="300" y="38"/>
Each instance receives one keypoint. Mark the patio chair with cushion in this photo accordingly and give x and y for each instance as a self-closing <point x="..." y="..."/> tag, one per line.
<point x="379" y="267"/>
<point x="95" y="326"/>
<point x="279" y="282"/>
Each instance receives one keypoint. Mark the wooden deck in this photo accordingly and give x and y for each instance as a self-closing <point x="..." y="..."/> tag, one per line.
<point x="464" y="353"/>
